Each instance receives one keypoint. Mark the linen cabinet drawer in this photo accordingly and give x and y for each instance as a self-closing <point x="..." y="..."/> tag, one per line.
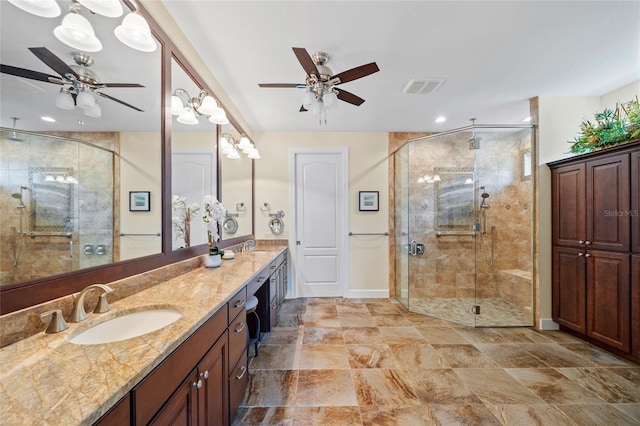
<point x="238" y="381"/>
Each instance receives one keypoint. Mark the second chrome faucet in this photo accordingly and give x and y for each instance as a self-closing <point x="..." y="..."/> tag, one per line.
<point x="78" y="313"/>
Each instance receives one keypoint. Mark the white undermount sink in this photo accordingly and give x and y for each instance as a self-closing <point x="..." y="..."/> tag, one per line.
<point x="127" y="326"/>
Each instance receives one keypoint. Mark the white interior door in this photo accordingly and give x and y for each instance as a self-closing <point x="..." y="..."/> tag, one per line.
<point x="193" y="175"/>
<point x="321" y="222"/>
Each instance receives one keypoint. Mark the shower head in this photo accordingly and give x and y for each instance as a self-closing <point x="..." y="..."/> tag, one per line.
<point x="19" y="198"/>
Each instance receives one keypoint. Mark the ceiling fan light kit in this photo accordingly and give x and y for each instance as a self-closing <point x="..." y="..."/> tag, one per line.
<point x="320" y="83"/>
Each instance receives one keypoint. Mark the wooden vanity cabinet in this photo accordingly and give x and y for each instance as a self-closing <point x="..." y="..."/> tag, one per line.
<point x="595" y="202"/>
<point x="118" y="415"/>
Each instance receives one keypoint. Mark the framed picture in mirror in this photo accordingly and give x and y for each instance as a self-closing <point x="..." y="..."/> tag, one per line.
<point x="139" y="201"/>
<point x="369" y="201"/>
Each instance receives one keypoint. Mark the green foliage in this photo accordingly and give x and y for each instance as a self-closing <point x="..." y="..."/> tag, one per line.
<point x="610" y="128"/>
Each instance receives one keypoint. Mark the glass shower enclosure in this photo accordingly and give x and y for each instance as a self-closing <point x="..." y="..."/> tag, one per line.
<point x="464" y="225"/>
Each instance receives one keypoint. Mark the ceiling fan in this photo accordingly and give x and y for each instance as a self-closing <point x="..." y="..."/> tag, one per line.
<point x="81" y="80"/>
<point x="320" y="82"/>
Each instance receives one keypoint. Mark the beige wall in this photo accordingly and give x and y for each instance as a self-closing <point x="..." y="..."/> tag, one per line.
<point x="140" y="160"/>
<point x="368" y="171"/>
<point x="558" y="122"/>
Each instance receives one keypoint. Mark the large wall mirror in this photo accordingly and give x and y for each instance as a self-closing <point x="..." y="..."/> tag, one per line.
<point x="193" y="161"/>
<point x="90" y="162"/>
<point x="236" y="171"/>
<point x="73" y="151"/>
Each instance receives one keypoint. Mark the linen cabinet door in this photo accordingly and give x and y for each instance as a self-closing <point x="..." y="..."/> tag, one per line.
<point x="635" y="306"/>
<point x="569" y="204"/>
<point x="569" y="288"/>
<point x="608" y="295"/>
<point x="608" y="203"/>
<point x="635" y="202"/>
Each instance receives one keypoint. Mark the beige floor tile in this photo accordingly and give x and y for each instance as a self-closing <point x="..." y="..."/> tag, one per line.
<point x="414" y="415"/>
<point x="555" y="355"/>
<point x="495" y="386"/>
<point x="391" y="320"/>
<point x="630" y="373"/>
<point x="609" y="387"/>
<point x="510" y="355"/>
<point x="382" y="387"/>
<point x="382" y="308"/>
<point x="483" y="335"/>
<point x="440" y="386"/>
<point x="271" y="388"/>
<point x="264" y="416"/>
<point x="325" y="388"/>
<point x="631" y="410"/>
<point x="314" y="416"/>
<point x="319" y="320"/>
<point x="327" y="336"/>
<point x="324" y="357"/>
<point x="464" y="356"/>
<point x="362" y="335"/>
<point x="371" y="356"/>
<point x="600" y="414"/>
<point x="276" y="357"/>
<point x="401" y="335"/>
<point x="476" y="414"/>
<point x="282" y="337"/>
<point x="554" y="388"/>
<point x="522" y="335"/>
<point x="441" y="335"/>
<point x="350" y="319"/>
<point x="598" y="356"/>
<point x="530" y="415"/>
<point x="416" y="356"/>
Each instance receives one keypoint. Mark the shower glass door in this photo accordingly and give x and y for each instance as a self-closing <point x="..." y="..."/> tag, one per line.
<point x="464" y="226"/>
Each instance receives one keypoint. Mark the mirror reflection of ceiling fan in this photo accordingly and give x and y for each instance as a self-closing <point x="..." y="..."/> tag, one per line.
<point x="81" y="82"/>
<point x="320" y="83"/>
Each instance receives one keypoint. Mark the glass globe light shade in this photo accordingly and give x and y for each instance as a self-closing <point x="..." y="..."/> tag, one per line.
<point x="219" y="117"/>
<point x="76" y="31"/>
<point x="109" y="8"/>
<point x="43" y="8"/>
<point x="309" y="98"/>
<point x="245" y="143"/>
<point x="85" y="99"/>
<point x="233" y="155"/>
<point x="330" y="99"/>
<point x="208" y="105"/>
<point x="135" y="33"/>
<point x="188" y="117"/>
<point x="95" y="112"/>
<point x="64" y="100"/>
<point x="177" y="107"/>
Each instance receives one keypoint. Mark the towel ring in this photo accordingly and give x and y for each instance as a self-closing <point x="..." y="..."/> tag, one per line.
<point x="276" y="225"/>
<point x="230" y="225"/>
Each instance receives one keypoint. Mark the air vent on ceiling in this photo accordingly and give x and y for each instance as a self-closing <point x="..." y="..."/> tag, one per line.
<point x="422" y="86"/>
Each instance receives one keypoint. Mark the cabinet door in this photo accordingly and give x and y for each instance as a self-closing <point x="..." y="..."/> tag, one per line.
<point x="569" y="288"/>
<point x="213" y="396"/>
<point x="608" y="203"/>
<point x="635" y="202"/>
<point x="238" y="381"/>
<point x="182" y="408"/>
<point x="635" y="305"/>
<point x="608" y="294"/>
<point x="118" y="415"/>
<point x="569" y="201"/>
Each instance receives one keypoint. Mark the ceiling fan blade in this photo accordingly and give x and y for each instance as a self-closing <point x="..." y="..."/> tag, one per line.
<point x="356" y="73"/>
<point x="302" y="109"/>
<point x="33" y="75"/>
<point x="53" y="62"/>
<point x="120" y="85"/>
<point x="305" y="60"/>
<point x="118" y="100"/>
<point x="349" y="97"/>
<point x="283" y="85"/>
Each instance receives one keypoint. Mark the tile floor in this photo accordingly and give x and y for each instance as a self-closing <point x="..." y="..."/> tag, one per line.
<point x="370" y="362"/>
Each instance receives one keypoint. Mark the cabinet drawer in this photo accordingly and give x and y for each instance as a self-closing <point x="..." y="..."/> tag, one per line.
<point x="157" y="387"/>
<point x="238" y="380"/>
<point x="237" y="304"/>
<point x="237" y="337"/>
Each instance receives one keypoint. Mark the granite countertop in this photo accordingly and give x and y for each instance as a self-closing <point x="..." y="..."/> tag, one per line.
<point x="47" y="380"/>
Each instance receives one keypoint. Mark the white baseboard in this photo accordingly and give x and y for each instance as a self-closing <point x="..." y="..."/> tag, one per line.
<point x="367" y="294"/>
<point x="548" y="324"/>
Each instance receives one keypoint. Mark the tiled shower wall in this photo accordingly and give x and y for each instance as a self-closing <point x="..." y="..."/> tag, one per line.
<point x="449" y="265"/>
<point x="92" y="221"/>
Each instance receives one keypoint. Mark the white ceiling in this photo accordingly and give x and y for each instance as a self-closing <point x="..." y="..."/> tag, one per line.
<point x="493" y="56"/>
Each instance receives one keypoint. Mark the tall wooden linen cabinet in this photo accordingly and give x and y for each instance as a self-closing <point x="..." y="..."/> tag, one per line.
<point x="596" y="247"/>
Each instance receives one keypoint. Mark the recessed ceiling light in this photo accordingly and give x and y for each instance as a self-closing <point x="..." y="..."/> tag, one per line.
<point x="527" y="119"/>
<point x="441" y="119"/>
<point x="49" y="119"/>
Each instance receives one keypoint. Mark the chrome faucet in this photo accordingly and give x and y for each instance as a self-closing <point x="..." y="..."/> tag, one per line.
<point x="57" y="323"/>
<point x="77" y="312"/>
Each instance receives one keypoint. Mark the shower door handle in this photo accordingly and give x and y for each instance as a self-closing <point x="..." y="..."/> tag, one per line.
<point x="416" y="248"/>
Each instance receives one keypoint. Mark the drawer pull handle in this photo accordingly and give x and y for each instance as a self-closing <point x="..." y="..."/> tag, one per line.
<point x="205" y="375"/>
<point x="241" y="327"/>
<point x="197" y="384"/>
<point x="587" y="255"/>
<point x="586" y="243"/>
<point x="580" y="242"/>
<point x="580" y="254"/>
<point x="240" y="303"/>
<point x="243" y="370"/>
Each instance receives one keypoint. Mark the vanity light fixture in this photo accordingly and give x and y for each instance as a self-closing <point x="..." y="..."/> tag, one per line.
<point x="188" y="109"/>
<point x="231" y="148"/>
<point x="76" y="31"/>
